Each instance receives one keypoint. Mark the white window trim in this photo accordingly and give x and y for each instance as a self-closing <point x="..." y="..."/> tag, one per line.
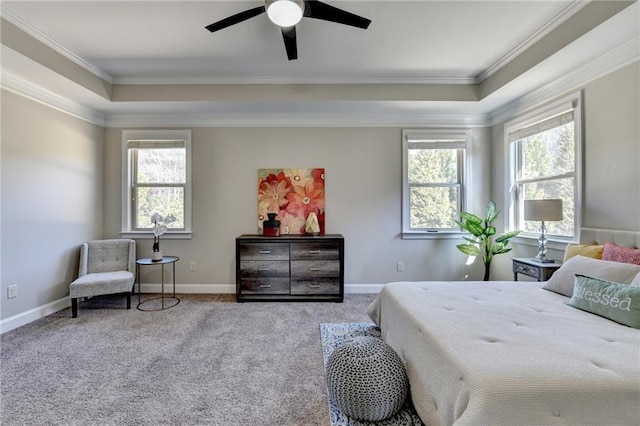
<point x="574" y="101"/>
<point x="154" y="135"/>
<point x="427" y="133"/>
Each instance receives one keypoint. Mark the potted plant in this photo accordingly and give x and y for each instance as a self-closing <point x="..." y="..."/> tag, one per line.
<point x="481" y="242"/>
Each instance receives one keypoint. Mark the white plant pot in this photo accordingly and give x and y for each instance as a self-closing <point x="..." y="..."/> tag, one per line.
<point x="156" y="256"/>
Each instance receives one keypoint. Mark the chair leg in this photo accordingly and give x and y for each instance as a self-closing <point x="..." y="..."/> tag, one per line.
<point x="129" y="300"/>
<point x="74" y="307"/>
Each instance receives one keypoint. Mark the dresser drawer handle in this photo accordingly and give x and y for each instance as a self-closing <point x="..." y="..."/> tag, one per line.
<point x="265" y="285"/>
<point x="265" y="251"/>
<point x="264" y="269"/>
<point x="314" y="285"/>
<point x="314" y="252"/>
<point x="315" y="268"/>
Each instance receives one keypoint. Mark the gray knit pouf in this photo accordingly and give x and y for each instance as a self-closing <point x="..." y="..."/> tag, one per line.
<point x="366" y="379"/>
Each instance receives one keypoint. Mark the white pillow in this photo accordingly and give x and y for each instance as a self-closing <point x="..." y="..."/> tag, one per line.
<point x="563" y="279"/>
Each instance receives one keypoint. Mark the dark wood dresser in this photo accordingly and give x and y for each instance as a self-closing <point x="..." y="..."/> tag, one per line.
<point x="290" y="268"/>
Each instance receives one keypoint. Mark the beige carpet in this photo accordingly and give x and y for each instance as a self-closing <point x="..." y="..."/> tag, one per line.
<point x="206" y="361"/>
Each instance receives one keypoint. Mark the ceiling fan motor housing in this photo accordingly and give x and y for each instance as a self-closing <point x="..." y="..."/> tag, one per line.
<point x="285" y="13"/>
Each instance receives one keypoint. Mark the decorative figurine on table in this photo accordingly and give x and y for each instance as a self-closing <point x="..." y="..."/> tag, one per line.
<point x="271" y="226"/>
<point x="159" y="228"/>
<point x="311" y="226"/>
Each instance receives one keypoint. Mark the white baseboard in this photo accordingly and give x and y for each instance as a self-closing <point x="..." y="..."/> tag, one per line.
<point x="26" y="317"/>
<point x="362" y="288"/>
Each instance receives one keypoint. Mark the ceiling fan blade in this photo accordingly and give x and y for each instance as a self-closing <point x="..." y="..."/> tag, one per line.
<point x="236" y="19"/>
<point x="318" y="10"/>
<point x="290" y="43"/>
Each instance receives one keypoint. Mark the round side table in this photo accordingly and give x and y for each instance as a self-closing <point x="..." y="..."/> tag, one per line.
<point x="173" y="300"/>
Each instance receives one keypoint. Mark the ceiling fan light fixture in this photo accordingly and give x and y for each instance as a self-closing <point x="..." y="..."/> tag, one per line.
<point x="285" y="13"/>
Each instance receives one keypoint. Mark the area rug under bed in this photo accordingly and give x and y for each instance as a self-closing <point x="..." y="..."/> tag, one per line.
<point x="335" y="335"/>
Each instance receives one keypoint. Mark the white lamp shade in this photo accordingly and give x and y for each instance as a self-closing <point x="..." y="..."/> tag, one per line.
<point x="543" y="210"/>
<point x="285" y="13"/>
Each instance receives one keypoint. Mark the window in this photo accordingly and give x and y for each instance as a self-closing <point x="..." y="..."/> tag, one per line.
<point x="156" y="179"/>
<point x="545" y="151"/>
<point x="433" y="180"/>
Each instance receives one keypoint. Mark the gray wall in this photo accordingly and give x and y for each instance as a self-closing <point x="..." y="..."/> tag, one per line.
<point x="611" y="171"/>
<point x="363" y="199"/>
<point x="51" y="199"/>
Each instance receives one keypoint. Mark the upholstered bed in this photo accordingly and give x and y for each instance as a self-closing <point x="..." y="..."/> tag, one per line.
<point x="513" y="353"/>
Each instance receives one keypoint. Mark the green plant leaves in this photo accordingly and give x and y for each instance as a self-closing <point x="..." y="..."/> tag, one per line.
<point x="490" y="230"/>
<point x="470" y="218"/>
<point x="474" y="228"/>
<point x="500" y="248"/>
<point x="469" y="249"/>
<point x="506" y="237"/>
<point x="491" y="212"/>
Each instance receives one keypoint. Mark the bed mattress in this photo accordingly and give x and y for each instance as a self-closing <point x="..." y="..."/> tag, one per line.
<point x="509" y="353"/>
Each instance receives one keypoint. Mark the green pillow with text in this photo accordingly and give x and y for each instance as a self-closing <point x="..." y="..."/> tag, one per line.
<point x="617" y="302"/>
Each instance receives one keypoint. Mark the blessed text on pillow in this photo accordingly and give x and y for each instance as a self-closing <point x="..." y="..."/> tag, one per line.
<point x="617" y="302"/>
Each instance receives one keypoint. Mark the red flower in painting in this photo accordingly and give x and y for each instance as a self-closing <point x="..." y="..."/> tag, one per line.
<point x="273" y="190"/>
<point x="306" y="199"/>
<point x="318" y="176"/>
<point x="290" y="224"/>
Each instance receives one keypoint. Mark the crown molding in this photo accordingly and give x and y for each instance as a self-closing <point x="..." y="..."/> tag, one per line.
<point x="297" y="120"/>
<point x="551" y="25"/>
<point x="18" y="85"/>
<point x="422" y="79"/>
<point x="624" y="55"/>
<point x="53" y="44"/>
<point x="615" y="59"/>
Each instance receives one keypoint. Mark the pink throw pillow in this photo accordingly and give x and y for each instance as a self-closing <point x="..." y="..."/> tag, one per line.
<point x="616" y="253"/>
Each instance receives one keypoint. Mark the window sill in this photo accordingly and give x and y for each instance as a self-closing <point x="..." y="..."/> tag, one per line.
<point x="146" y="235"/>
<point x="434" y="235"/>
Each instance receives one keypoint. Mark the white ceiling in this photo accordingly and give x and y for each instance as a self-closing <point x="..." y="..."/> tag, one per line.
<point x="413" y="42"/>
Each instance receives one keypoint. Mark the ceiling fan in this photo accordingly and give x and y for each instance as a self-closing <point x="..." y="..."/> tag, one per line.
<point x="287" y="13"/>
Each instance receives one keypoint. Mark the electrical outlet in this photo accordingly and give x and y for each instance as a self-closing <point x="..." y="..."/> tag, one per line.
<point x="400" y="266"/>
<point x="12" y="291"/>
<point x="192" y="267"/>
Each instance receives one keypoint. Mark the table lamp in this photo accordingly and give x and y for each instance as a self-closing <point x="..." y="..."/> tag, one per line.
<point x="543" y="210"/>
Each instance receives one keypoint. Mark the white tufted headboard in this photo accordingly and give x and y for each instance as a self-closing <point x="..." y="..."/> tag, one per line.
<point x="601" y="236"/>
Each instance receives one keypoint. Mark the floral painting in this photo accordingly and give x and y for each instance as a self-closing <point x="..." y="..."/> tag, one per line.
<point x="292" y="194"/>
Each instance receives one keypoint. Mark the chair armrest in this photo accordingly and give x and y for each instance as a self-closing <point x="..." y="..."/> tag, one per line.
<point x="84" y="259"/>
<point x="132" y="256"/>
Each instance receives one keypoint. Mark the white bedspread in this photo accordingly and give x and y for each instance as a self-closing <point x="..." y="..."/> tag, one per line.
<point x="509" y="353"/>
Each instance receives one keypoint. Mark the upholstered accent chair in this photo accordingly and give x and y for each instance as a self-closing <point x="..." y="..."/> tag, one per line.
<point x="106" y="267"/>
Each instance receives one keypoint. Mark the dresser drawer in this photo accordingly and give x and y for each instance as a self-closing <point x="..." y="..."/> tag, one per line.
<point x="264" y="251"/>
<point x="264" y="268"/>
<point x="531" y="271"/>
<point x="315" y="250"/>
<point x="264" y="286"/>
<point x="315" y="286"/>
<point x="315" y="268"/>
